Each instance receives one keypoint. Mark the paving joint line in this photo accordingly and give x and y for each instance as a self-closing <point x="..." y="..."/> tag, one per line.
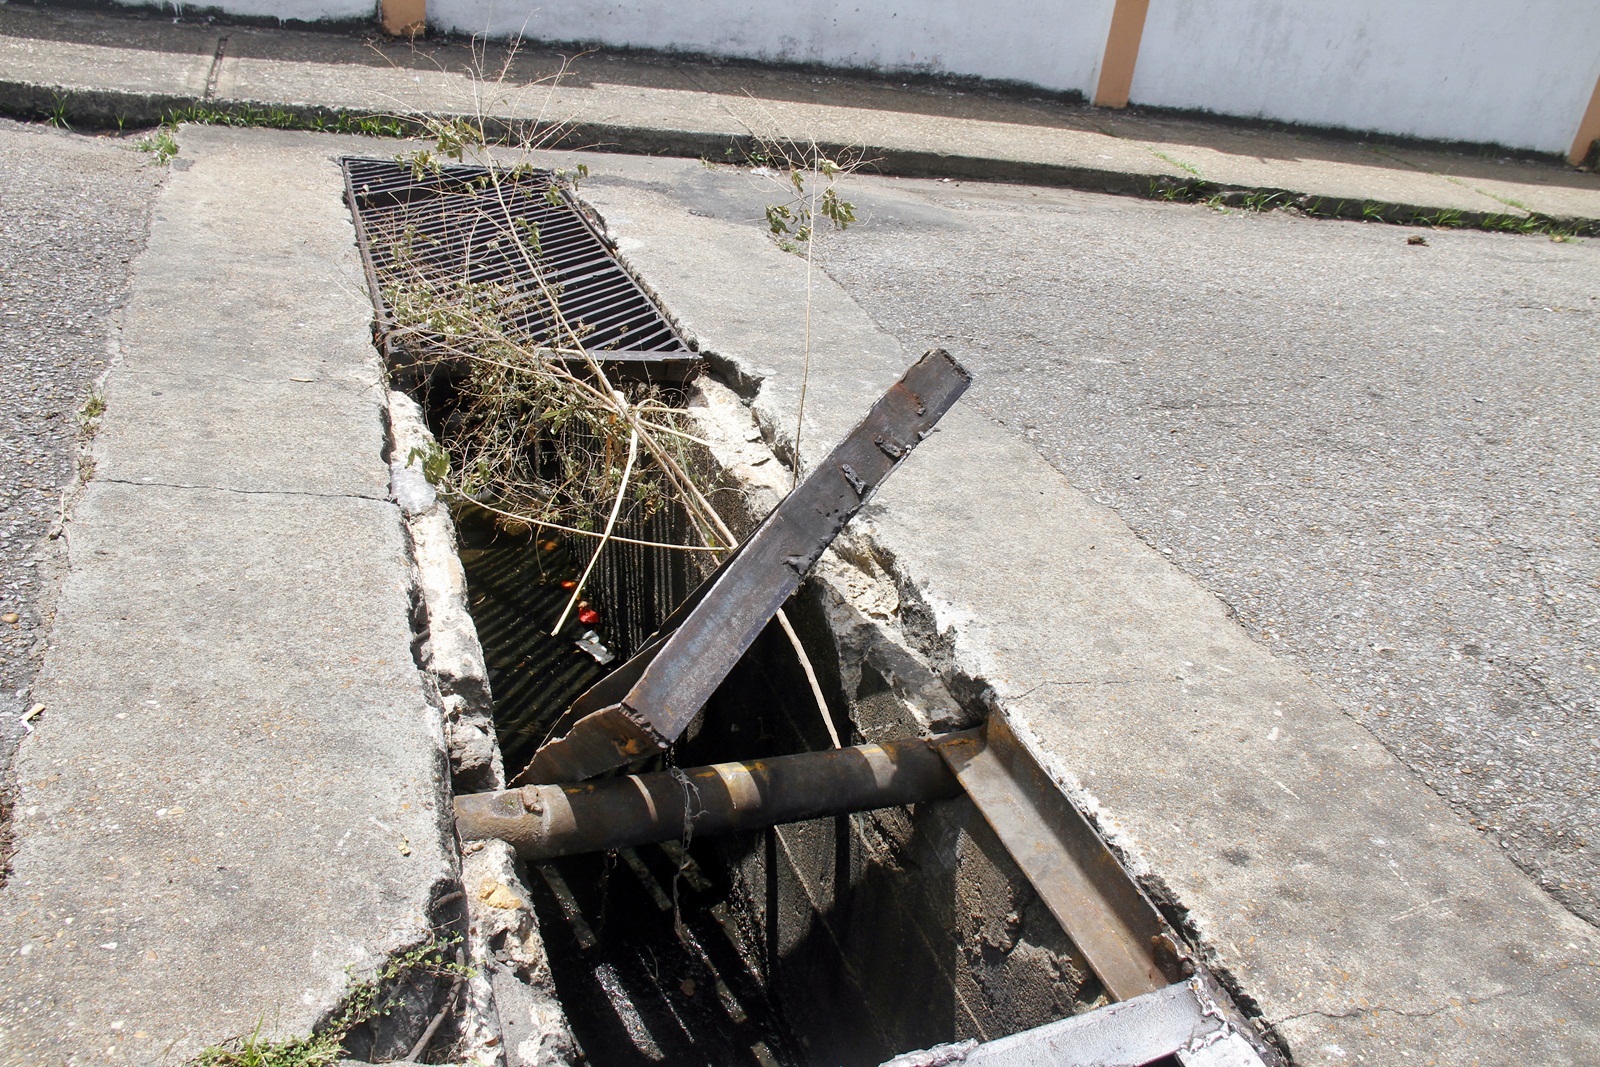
<point x="216" y="68"/>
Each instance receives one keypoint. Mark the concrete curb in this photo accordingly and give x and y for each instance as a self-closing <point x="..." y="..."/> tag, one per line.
<point x="108" y="109"/>
<point x="299" y="94"/>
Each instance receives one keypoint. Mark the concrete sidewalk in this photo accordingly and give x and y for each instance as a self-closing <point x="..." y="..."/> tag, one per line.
<point x="109" y="71"/>
<point x="231" y="806"/>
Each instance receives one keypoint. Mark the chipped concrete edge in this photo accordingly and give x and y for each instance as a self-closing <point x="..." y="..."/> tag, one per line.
<point x="509" y="990"/>
<point x="880" y="618"/>
<point x="860" y="601"/>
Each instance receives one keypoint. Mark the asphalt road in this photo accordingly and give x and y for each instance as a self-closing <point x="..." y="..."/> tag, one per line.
<point x="1383" y="456"/>
<point x="74" y="211"/>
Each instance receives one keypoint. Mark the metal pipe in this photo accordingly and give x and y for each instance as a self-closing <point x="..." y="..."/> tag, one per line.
<point x="544" y="822"/>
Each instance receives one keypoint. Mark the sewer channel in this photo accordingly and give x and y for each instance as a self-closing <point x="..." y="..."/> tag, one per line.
<point x="845" y="940"/>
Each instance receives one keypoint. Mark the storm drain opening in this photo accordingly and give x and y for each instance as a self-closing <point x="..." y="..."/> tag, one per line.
<point x="713" y="881"/>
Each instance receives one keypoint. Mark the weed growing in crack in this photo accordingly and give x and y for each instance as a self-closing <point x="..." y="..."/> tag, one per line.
<point x="280" y="118"/>
<point x="160" y="144"/>
<point x="1260" y="201"/>
<point x="811" y="184"/>
<point x="1188" y="168"/>
<point x="92" y="409"/>
<point x="369" y="999"/>
<point x="1265" y="201"/>
<point x="809" y="178"/>
<point x="57" y="115"/>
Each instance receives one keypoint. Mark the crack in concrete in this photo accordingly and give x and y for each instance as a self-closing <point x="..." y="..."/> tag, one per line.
<point x="1465" y="1004"/>
<point x="1073" y="682"/>
<point x="247" y="492"/>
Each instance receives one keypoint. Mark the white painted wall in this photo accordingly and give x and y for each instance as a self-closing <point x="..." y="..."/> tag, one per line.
<point x="1056" y="44"/>
<point x="298" y="10"/>
<point x="1511" y="72"/>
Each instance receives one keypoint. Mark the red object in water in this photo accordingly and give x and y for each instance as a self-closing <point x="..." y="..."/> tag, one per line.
<point x="569" y="584"/>
<point x="588" y="616"/>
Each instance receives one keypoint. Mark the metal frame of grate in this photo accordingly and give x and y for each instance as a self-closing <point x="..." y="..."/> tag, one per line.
<point x="459" y="220"/>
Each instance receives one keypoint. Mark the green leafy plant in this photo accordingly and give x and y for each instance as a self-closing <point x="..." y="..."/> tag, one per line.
<point x="797" y="218"/>
<point x="435" y="462"/>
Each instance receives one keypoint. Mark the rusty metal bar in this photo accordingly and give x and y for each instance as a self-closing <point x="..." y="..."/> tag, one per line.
<point x="647" y="703"/>
<point x="543" y="822"/>
<point x="1099" y="906"/>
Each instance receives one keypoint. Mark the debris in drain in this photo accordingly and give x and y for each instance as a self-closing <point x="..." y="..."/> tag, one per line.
<point x="643" y="706"/>
<point x="589" y="641"/>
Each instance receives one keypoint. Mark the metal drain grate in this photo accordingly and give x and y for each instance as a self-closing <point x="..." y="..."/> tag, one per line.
<point x="456" y="222"/>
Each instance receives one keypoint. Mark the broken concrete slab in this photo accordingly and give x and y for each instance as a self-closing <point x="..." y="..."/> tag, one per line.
<point x="1356" y="914"/>
<point x="234" y="793"/>
<point x="451" y="652"/>
<point x="232" y="807"/>
<point x="512" y="995"/>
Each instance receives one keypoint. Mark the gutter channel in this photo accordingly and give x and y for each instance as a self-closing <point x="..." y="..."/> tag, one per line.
<point x="508" y="1011"/>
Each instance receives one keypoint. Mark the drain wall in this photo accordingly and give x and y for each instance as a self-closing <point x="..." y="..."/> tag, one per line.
<point x="888" y="930"/>
<point x="837" y="941"/>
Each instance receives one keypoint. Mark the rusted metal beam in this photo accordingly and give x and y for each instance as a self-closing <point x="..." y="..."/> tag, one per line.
<point x="1099" y="906"/>
<point x="543" y="822"/>
<point x="644" y="706"/>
